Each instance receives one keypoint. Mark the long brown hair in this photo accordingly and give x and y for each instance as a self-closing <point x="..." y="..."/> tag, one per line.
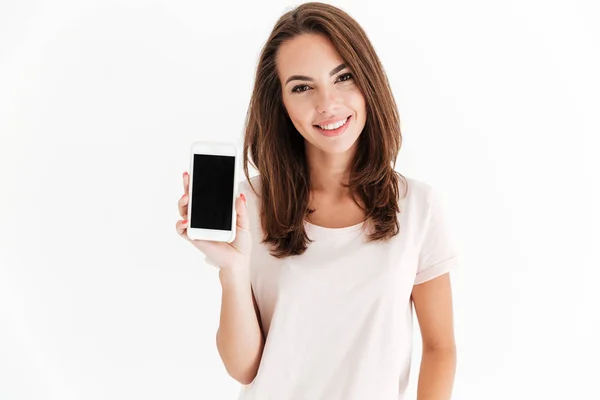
<point x="276" y="148"/>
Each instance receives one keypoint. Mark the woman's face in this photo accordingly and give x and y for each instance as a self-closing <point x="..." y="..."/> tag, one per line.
<point x="320" y="94"/>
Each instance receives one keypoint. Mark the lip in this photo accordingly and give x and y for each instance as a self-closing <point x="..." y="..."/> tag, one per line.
<point x="334" y="132"/>
<point x="331" y="120"/>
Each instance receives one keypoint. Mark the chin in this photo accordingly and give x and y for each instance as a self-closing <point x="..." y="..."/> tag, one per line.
<point x="335" y="146"/>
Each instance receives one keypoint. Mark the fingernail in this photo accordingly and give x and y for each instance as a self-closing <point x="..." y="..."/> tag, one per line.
<point x="183" y="196"/>
<point x="243" y="198"/>
<point x="184" y="222"/>
<point x="184" y="174"/>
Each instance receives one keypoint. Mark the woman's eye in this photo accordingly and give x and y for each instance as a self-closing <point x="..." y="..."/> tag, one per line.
<point x="345" y="77"/>
<point x="296" y="89"/>
<point x="304" y="88"/>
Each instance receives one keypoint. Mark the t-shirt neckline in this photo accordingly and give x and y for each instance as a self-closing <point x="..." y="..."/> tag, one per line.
<point x="317" y="229"/>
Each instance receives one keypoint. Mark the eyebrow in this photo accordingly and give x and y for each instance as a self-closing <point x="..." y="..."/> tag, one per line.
<point x="308" y="78"/>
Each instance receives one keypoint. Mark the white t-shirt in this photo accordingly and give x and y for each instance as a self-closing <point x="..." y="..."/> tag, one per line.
<point x="338" y="318"/>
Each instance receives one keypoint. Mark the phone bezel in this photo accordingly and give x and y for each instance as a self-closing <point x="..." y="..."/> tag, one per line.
<point x="217" y="149"/>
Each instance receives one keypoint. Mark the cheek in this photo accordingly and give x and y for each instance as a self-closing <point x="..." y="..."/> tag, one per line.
<point x="358" y="102"/>
<point x="354" y="100"/>
<point x="299" y="112"/>
<point x="296" y="115"/>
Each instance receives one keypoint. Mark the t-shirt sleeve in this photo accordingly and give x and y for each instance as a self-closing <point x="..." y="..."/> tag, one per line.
<point x="437" y="254"/>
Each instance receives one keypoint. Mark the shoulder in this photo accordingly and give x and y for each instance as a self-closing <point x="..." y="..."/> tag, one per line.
<point x="426" y="209"/>
<point x="423" y="207"/>
<point x="419" y="195"/>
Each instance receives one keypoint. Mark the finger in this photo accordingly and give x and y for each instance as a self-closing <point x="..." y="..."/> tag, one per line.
<point x="182" y="204"/>
<point x="242" y="220"/>
<point x="182" y="229"/>
<point x="186" y="182"/>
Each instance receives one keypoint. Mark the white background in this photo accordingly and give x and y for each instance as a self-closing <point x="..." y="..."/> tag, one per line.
<point x="99" y="102"/>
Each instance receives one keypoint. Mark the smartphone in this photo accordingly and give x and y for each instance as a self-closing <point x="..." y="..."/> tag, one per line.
<point x="212" y="191"/>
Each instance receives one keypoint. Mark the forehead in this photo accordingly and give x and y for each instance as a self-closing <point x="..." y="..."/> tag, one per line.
<point x="307" y="54"/>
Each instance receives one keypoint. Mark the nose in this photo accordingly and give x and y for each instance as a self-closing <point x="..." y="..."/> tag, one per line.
<point x="327" y="102"/>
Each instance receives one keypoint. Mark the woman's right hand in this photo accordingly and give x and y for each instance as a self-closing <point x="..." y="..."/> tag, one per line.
<point x="234" y="255"/>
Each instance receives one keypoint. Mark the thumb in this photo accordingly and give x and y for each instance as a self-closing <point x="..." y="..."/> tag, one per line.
<point x="241" y="209"/>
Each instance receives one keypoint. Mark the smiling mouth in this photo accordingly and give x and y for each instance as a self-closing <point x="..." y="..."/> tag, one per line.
<point x="334" y="126"/>
<point x="337" y="129"/>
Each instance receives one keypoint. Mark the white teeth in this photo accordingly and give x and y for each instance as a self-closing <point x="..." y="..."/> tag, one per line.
<point x="330" y="127"/>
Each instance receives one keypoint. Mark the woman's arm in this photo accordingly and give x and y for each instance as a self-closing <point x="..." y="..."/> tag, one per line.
<point x="433" y="305"/>
<point x="240" y="340"/>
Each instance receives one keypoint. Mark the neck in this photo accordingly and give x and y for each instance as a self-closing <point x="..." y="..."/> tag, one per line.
<point x="329" y="172"/>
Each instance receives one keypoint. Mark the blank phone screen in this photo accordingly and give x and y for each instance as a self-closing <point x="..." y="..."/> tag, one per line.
<point x="212" y="192"/>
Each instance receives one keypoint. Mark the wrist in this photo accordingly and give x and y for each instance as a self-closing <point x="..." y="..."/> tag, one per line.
<point x="234" y="276"/>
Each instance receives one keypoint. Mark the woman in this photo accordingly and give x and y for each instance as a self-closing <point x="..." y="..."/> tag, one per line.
<point x="329" y="258"/>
